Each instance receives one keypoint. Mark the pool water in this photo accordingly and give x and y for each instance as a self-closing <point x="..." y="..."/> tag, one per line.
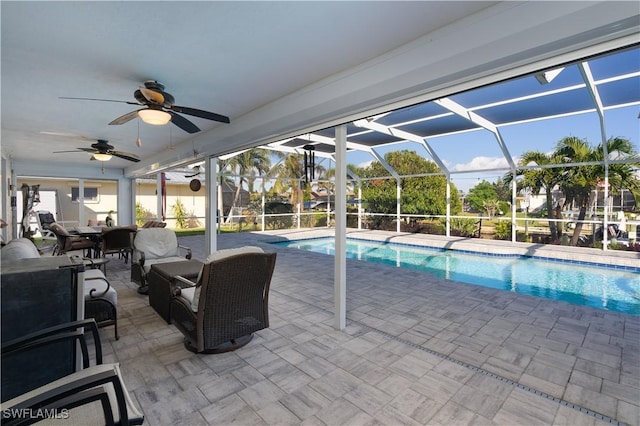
<point x="612" y="289"/>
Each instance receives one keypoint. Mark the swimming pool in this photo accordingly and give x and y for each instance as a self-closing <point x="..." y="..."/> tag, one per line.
<point x="583" y="284"/>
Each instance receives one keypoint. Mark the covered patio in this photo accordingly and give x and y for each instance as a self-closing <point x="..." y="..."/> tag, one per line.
<point x="415" y="350"/>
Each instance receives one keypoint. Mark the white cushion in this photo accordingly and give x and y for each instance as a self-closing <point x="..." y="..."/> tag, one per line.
<point x="156" y="243"/>
<point x="94" y="279"/>
<point x="220" y="254"/>
<point x="20" y="248"/>
<point x="187" y="293"/>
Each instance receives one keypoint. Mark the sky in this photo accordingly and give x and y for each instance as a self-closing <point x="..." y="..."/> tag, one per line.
<point x="480" y="150"/>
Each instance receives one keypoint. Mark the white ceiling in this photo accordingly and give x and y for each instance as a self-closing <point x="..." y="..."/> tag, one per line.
<point x="233" y="58"/>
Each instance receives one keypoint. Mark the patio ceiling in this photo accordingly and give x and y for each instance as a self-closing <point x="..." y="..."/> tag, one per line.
<point x="613" y="78"/>
<point x="275" y="68"/>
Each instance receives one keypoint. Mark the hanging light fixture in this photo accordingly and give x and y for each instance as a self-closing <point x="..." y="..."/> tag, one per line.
<point x="156" y="117"/>
<point x="101" y="156"/>
<point x="309" y="163"/>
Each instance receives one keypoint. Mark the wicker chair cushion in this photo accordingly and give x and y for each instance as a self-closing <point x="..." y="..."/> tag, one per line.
<point x="187" y="293"/>
<point x="220" y="254"/>
<point x="20" y="248"/>
<point x="157" y="243"/>
<point x="59" y="229"/>
<point x="94" y="279"/>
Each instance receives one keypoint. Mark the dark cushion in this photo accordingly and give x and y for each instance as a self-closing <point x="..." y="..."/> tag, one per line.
<point x="188" y="269"/>
<point x="59" y="229"/>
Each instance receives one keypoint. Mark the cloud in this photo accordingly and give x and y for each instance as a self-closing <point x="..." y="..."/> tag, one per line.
<point x="365" y="164"/>
<point x="479" y="163"/>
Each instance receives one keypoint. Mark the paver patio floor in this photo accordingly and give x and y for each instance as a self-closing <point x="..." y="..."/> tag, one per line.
<point x="416" y="350"/>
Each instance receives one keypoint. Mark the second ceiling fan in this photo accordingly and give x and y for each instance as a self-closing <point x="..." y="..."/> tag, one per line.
<point x="160" y="109"/>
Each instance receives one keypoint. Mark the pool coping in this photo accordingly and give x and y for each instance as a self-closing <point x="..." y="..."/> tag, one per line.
<point x="629" y="261"/>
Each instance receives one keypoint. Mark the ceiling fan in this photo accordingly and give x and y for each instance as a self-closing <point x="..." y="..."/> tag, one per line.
<point x="159" y="108"/>
<point x="102" y="151"/>
<point x="196" y="169"/>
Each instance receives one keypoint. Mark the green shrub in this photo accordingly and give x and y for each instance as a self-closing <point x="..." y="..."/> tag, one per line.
<point x="504" y="208"/>
<point x="463" y="227"/>
<point x="142" y="214"/>
<point x="503" y="230"/>
<point x="278" y="222"/>
<point x="180" y="214"/>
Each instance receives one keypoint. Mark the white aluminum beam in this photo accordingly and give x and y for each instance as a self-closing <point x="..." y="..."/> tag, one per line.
<point x="340" y="258"/>
<point x="463" y="112"/>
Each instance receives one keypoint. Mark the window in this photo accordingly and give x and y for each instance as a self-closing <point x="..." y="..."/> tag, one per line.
<point x="90" y="194"/>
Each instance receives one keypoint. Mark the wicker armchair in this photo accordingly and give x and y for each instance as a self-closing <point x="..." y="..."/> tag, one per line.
<point x="151" y="246"/>
<point x="230" y="300"/>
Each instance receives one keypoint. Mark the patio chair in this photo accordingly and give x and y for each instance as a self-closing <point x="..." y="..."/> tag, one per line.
<point x="152" y="246"/>
<point x="45" y="218"/>
<point x="68" y="242"/>
<point x="227" y="304"/>
<point x="117" y="240"/>
<point x="93" y="395"/>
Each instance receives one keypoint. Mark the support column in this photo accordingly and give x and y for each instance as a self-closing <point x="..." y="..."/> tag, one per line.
<point x="340" y="259"/>
<point x="448" y="213"/>
<point x="262" y="203"/>
<point x="159" y="196"/>
<point x="359" y="205"/>
<point x="514" y="193"/>
<point x="398" y="194"/>
<point x="211" y="204"/>
<point x="81" y="218"/>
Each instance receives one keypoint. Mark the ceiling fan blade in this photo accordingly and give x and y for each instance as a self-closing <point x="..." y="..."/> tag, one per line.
<point x="152" y="95"/>
<point x="193" y="175"/>
<point x="75" y="150"/>
<point x="202" y="114"/>
<point x="125" y="118"/>
<point x="125" y="155"/>
<point x="91" y="150"/>
<point x="183" y="123"/>
<point x="101" y="100"/>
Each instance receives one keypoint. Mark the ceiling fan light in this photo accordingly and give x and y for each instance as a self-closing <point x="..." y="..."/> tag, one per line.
<point x="100" y="156"/>
<point x="154" y="116"/>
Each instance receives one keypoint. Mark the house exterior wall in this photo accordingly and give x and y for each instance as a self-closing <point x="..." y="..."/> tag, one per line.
<point x="193" y="202"/>
<point x="67" y="211"/>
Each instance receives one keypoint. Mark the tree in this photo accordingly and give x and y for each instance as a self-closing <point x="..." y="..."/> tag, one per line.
<point x="503" y="190"/>
<point x="578" y="182"/>
<point x="288" y="174"/>
<point x="538" y="179"/>
<point x="425" y="195"/>
<point x="480" y="195"/>
<point x="249" y="162"/>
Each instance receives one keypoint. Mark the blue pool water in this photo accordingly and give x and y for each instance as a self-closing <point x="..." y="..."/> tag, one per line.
<point x="579" y="283"/>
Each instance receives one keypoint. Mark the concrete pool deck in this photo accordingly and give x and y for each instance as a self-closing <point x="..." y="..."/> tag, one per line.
<point x="416" y="350"/>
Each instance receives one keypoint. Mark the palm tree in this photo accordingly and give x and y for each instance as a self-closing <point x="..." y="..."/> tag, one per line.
<point x="288" y="174"/>
<point x="538" y="179"/>
<point x="250" y="162"/>
<point x="579" y="182"/>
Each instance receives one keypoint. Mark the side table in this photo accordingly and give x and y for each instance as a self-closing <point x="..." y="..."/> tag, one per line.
<point x="161" y="283"/>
